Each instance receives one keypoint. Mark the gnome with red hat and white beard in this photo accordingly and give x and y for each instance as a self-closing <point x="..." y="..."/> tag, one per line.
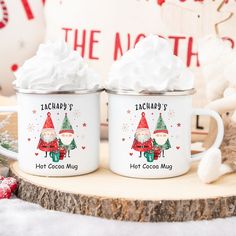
<point x="142" y="138"/>
<point x="48" y="139"/>
<point x="66" y="136"/>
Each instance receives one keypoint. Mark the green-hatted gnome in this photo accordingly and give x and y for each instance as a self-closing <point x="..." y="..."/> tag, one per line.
<point x="161" y="136"/>
<point x="142" y="138"/>
<point x="66" y="136"/>
<point x="48" y="139"/>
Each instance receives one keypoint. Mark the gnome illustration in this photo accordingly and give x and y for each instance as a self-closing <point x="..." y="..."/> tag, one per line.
<point x="66" y="136"/>
<point x="142" y="138"/>
<point x="48" y="140"/>
<point x="161" y="136"/>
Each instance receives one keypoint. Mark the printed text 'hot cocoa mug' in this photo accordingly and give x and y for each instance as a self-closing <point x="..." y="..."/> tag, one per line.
<point x="150" y="133"/>
<point x="58" y="132"/>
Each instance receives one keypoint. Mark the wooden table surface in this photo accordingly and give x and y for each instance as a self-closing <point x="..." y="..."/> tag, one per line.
<point x="105" y="194"/>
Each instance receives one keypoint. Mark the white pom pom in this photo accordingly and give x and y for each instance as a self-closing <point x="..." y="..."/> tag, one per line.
<point x="209" y="167"/>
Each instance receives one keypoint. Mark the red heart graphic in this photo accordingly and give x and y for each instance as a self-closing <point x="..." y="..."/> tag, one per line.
<point x="83" y="147"/>
<point x="177" y="147"/>
<point x="36" y="154"/>
<point x="131" y="154"/>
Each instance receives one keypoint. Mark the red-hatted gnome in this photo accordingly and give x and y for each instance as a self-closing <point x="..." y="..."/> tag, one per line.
<point x="48" y="139"/>
<point x="142" y="138"/>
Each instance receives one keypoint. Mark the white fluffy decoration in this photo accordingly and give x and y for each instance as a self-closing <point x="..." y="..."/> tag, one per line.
<point x="26" y="219"/>
<point x="210" y="167"/>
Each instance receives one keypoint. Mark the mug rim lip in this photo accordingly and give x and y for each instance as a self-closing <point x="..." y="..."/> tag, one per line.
<point x="149" y="93"/>
<point x="45" y="92"/>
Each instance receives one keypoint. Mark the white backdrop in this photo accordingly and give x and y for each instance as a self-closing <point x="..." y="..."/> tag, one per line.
<point x="102" y="30"/>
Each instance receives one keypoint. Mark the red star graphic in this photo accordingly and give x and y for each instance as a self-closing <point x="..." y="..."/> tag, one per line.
<point x="84" y="124"/>
<point x="178" y="125"/>
<point x="34" y="111"/>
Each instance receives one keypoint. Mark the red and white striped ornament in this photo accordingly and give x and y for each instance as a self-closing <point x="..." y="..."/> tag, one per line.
<point x="5" y="191"/>
<point x="11" y="182"/>
<point x="7" y="186"/>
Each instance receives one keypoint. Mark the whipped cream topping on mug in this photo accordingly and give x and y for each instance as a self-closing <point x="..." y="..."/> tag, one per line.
<point x="150" y="66"/>
<point x="56" y="67"/>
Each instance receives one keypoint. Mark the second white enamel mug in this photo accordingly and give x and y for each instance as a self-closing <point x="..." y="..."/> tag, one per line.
<point x="150" y="133"/>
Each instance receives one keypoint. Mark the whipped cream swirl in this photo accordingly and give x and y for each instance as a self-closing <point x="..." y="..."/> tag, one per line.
<point x="150" y="66"/>
<point x="56" y="67"/>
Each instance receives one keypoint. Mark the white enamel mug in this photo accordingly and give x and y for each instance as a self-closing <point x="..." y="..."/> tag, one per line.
<point x="58" y="132"/>
<point x="150" y="134"/>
